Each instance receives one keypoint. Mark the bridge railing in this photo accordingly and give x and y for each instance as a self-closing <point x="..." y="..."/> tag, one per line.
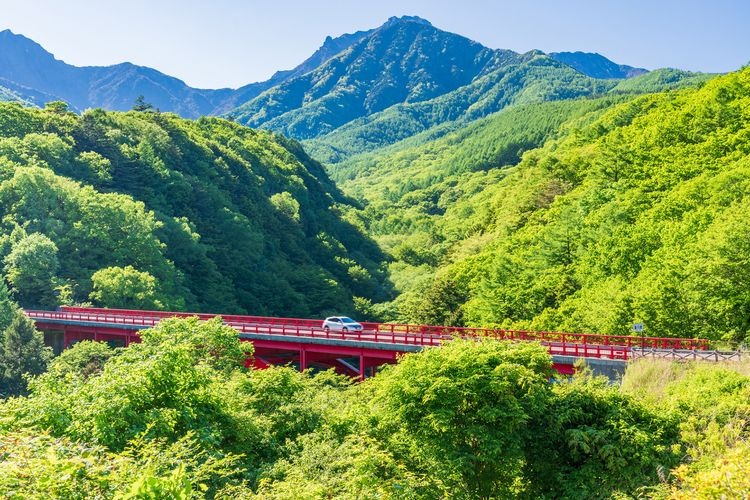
<point x="423" y="339"/>
<point x="229" y="318"/>
<point x="95" y="317"/>
<point x="551" y="337"/>
<point x="406" y="333"/>
<point x="243" y="324"/>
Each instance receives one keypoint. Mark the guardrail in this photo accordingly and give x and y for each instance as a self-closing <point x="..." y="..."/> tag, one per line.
<point x="230" y="318"/>
<point x="93" y="317"/>
<point x="686" y="355"/>
<point x="564" y="337"/>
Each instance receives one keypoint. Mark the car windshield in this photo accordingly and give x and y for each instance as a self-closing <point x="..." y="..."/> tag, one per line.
<point x="348" y="320"/>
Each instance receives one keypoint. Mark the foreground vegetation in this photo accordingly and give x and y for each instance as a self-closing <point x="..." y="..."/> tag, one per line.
<point x="179" y="416"/>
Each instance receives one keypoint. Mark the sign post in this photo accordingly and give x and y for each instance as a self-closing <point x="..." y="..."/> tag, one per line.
<point x="638" y="328"/>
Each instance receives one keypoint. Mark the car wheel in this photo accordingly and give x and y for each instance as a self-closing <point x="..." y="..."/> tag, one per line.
<point x="345" y="329"/>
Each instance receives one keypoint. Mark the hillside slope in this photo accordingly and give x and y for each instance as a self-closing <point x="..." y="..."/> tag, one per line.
<point x="529" y="78"/>
<point x="636" y="213"/>
<point x="412" y="192"/>
<point x="203" y="215"/>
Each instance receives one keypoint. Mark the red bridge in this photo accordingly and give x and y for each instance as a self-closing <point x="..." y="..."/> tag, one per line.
<point x="304" y="343"/>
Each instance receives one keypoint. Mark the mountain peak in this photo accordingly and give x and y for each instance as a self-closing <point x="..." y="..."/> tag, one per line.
<point x="406" y="19"/>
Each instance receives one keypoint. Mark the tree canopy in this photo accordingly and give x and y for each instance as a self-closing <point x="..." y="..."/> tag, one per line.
<point x="150" y="210"/>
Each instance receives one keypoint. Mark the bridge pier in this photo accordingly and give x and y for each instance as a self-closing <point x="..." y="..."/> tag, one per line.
<point x="54" y="339"/>
<point x="302" y="359"/>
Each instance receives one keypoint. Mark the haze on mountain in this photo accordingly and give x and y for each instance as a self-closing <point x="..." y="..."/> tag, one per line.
<point x="596" y="65"/>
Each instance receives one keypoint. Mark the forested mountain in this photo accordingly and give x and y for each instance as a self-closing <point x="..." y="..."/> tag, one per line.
<point x="151" y="210"/>
<point x="532" y="77"/>
<point x="329" y="109"/>
<point x="632" y="212"/>
<point x="406" y="118"/>
<point x="407" y="77"/>
<point x="330" y="47"/>
<point x="460" y="185"/>
<point x="405" y="60"/>
<point x="596" y="65"/>
<point x="357" y="93"/>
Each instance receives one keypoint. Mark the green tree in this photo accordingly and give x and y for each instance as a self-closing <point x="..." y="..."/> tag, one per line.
<point x="593" y="441"/>
<point x="22" y="352"/>
<point x="31" y="269"/>
<point x="287" y="205"/>
<point x="441" y="303"/>
<point x="7" y="306"/>
<point x="84" y="359"/>
<point x="141" y="105"/>
<point x="57" y="107"/>
<point x="458" y="413"/>
<point x="125" y="287"/>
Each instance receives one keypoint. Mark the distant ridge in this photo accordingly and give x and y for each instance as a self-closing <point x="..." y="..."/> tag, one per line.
<point x="596" y="65"/>
<point x="36" y="75"/>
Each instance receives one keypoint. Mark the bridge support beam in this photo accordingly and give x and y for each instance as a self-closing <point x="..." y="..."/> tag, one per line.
<point x="302" y="359"/>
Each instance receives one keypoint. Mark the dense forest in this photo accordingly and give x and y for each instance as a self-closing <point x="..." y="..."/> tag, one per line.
<point x="634" y="209"/>
<point x="585" y="214"/>
<point x="148" y="210"/>
<point x="177" y="416"/>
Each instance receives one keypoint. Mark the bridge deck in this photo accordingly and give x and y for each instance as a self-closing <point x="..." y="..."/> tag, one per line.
<point x="376" y="337"/>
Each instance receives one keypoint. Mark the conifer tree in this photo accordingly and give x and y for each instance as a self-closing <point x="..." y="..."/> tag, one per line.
<point x="7" y="306"/>
<point x="22" y="351"/>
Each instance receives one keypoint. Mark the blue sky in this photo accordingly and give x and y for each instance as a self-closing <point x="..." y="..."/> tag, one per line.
<point x="222" y="43"/>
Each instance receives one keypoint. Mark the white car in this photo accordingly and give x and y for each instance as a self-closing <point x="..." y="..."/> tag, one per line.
<point x="341" y="324"/>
